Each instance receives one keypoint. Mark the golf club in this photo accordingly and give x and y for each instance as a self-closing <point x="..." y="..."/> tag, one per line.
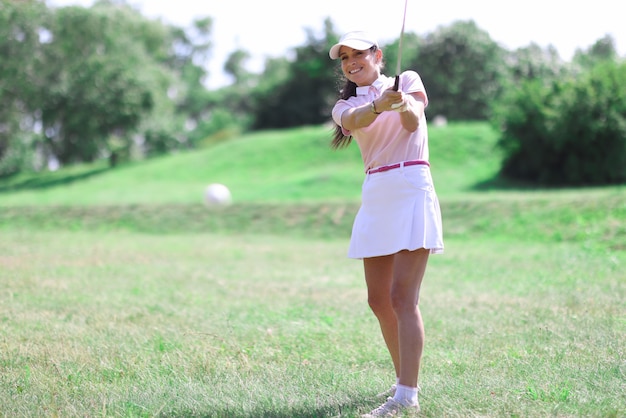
<point x="399" y="61"/>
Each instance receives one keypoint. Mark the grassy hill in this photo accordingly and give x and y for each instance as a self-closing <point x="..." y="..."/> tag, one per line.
<point x="291" y="181"/>
<point x="273" y="166"/>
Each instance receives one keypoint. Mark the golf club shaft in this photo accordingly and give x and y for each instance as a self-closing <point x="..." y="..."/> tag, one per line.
<point x="399" y="61"/>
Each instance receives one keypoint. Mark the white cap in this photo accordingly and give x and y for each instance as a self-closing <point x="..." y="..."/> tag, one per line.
<point x="358" y="40"/>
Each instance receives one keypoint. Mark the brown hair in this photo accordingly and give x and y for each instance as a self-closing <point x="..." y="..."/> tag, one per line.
<point x="349" y="90"/>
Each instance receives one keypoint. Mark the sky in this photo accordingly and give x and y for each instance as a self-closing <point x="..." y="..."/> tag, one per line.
<point x="272" y="28"/>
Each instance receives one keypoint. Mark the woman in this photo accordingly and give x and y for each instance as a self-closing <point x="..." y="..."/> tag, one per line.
<point x="399" y="223"/>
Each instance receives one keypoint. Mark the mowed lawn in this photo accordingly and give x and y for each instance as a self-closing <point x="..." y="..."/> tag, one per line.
<point x="131" y="324"/>
<point x="145" y="305"/>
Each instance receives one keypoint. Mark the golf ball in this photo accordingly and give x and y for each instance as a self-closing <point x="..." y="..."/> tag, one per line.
<point x="217" y="194"/>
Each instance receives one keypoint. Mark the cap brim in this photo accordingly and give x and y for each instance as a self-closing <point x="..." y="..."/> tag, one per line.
<point x="351" y="43"/>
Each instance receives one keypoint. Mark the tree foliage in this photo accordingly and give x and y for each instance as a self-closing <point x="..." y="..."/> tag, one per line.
<point x="304" y="96"/>
<point x="602" y="50"/>
<point x="411" y="46"/>
<point x="463" y="70"/>
<point x="571" y="132"/>
<point x="533" y="63"/>
<point x="80" y="84"/>
<point x="21" y="27"/>
<point x="92" y="88"/>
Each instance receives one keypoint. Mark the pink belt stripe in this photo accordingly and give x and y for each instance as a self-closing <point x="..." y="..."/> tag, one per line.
<point x="398" y="165"/>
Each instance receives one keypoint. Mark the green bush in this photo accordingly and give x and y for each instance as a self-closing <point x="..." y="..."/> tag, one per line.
<point x="571" y="132"/>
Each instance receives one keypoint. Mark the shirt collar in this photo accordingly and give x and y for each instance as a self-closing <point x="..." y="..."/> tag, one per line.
<point x="378" y="84"/>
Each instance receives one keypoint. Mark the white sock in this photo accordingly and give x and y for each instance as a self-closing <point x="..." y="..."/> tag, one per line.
<point x="397" y="381"/>
<point x="406" y="395"/>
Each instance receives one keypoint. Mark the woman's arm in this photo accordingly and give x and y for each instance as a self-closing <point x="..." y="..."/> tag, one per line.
<point x="359" y="117"/>
<point x="411" y="111"/>
<point x="410" y="107"/>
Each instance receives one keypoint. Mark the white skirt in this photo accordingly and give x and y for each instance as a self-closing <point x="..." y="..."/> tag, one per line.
<point x="399" y="211"/>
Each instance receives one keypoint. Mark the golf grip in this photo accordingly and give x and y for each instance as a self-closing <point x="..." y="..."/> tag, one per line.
<point x="396" y="85"/>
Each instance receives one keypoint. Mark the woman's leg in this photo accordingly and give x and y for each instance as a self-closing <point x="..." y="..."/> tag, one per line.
<point x="378" y="277"/>
<point x="393" y="284"/>
<point x="408" y="272"/>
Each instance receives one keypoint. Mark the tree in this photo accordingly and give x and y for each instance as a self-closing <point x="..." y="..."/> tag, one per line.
<point x="602" y="50"/>
<point x="411" y="46"/>
<point x="23" y="28"/>
<point x="97" y="82"/>
<point x="304" y="98"/>
<point x="572" y="132"/>
<point x="533" y="62"/>
<point x="462" y="69"/>
<point x="79" y="84"/>
<point x="235" y="66"/>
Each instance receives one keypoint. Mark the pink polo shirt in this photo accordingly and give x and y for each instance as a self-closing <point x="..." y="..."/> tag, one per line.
<point x="385" y="141"/>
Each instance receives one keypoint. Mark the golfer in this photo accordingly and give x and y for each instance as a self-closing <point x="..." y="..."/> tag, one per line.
<point x="399" y="222"/>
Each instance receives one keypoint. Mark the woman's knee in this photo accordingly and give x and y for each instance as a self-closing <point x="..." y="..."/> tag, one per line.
<point x="380" y="303"/>
<point x="402" y="300"/>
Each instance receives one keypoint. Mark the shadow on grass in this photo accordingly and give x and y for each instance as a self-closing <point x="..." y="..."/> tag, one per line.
<point x="500" y="183"/>
<point x="51" y="180"/>
<point x="344" y="410"/>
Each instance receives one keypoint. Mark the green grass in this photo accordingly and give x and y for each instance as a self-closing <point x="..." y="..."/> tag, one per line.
<point x="128" y="324"/>
<point x="123" y="296"/>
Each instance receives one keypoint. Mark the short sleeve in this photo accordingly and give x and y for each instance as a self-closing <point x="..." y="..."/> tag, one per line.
<point x="412" y="83"/>
<point x="340" y="107"/>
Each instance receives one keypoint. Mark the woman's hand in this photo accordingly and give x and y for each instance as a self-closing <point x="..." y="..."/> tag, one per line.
<point x="410" y="107"/>
<point x="391" y="100"/>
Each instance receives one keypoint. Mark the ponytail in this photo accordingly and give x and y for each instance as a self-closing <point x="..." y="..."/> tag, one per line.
<point x="339" y="139"/>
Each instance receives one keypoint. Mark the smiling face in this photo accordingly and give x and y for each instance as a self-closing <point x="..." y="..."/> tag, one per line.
<point x="360" y="67"/>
